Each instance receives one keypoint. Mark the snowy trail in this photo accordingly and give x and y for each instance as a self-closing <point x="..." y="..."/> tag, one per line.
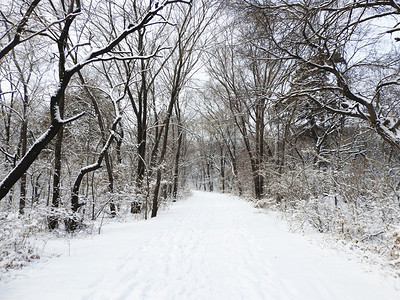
<point x="210" y="246"/>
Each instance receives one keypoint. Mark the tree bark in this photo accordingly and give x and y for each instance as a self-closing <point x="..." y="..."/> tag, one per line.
<point x="55" y="203"/>
<point x="178" y="152"/>
<point x="222" y="168"/>
<point x="23" y="148"/>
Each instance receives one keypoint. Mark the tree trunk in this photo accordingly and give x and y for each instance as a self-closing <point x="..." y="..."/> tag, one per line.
<point x="23" y="143"/>
<point x="254" y="162"/>
<point x="55" y="203"/>
<point x="178" y="153"/>
<point x="119" y="139"/>
<point x="222" y="168"/>
<point x="165" y="127"/>
<point x="140" y="110"/>
<point x="176" y="167"/>
<point x="110" y="186"/>
<point x="155" y="196"/>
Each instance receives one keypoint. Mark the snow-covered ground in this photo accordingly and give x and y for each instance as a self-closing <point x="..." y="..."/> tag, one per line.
<point x="210" y="246"/>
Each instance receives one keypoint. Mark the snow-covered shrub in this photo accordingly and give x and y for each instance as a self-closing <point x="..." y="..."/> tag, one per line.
<point x="357" y="202"/>
<point x="393" y="243"/>
<point x="18" y="244"/>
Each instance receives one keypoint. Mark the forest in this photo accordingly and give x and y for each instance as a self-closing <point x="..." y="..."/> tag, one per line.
<point x="110" y="110"/>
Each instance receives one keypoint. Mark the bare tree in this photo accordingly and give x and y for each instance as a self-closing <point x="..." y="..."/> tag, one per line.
<point x="15" y="33"/>
<point x="347" y="53"/>
<point x="104" y="53"/>
<point x="247" y="86"/>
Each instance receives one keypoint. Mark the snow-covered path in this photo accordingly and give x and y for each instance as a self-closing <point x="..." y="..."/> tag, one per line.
<point x="210" y="246"/>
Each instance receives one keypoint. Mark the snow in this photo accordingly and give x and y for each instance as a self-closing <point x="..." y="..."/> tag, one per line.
<point x="210" y="246"/>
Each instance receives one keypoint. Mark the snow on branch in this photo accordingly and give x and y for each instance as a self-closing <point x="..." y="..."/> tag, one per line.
<point x="96" y="55"/>
<point x="122" y="58"/>
<point x="20" y="27"/>
<point x="69" y="16"/>
<point x="348" y="112"/>
<point x="58" y="118"/>
<point x="9" y="155"/>
<point x="56" y="121"/>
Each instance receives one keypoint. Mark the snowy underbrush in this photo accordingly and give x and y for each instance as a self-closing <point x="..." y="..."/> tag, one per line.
<point x="359" y="212"/>
<point x="19" y="240"/>
<point x="24" y="237"/>
<point x="362" y="229"/>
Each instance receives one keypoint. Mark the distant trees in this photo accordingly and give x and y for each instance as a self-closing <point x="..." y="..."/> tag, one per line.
<point x="303" y="95"/>
<point x="190" y="41"/>
<point x="289" y="71"/>
<point x="247" y="87"/>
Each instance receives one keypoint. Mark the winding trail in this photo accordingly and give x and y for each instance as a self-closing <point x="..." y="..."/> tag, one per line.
<point x="210" y="246"/>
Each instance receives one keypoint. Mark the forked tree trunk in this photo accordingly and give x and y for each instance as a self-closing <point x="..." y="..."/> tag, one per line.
<point x="72" y="223"/>
<point x="102" y="127"/>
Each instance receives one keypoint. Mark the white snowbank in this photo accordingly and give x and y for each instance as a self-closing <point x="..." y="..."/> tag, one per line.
<point x="211" y="246"/>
